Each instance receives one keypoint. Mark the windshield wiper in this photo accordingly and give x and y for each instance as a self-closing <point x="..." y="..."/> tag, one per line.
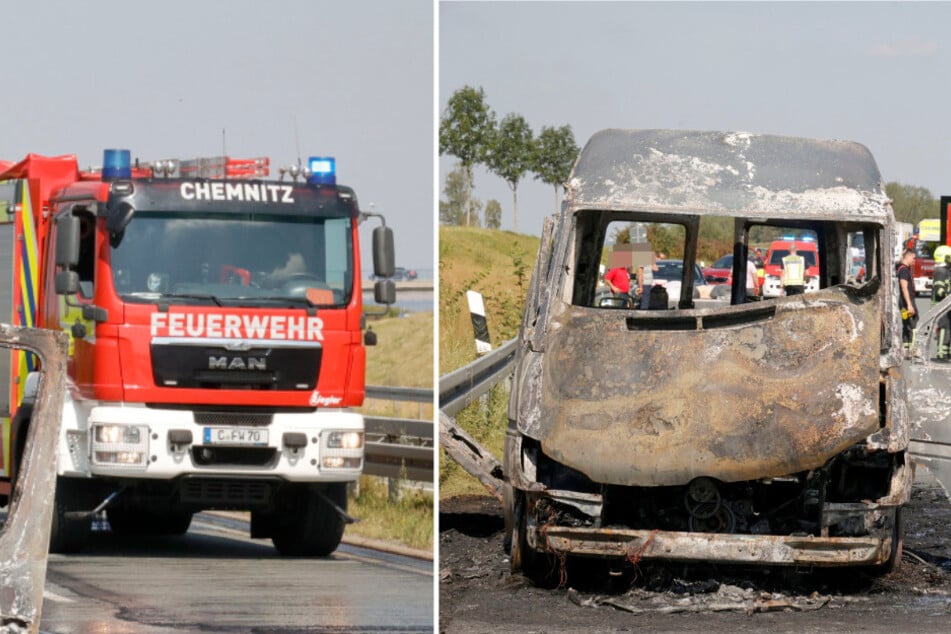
<point x="191" y="296"/>
<point x="277" y="298"/>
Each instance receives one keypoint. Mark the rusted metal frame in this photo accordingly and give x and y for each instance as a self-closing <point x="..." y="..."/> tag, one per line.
<point x="24" y="539"/>
<point x="726" y="548"/>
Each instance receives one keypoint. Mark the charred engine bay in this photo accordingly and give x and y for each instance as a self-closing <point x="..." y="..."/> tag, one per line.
<point x="479" y="593"/>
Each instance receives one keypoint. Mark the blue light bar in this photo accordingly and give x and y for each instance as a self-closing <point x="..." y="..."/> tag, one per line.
<point x="323" y="170"/>
<point x="116" y="164"/>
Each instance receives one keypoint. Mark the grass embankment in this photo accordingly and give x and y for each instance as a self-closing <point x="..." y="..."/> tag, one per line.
<point x="498" y="264"/>
<point x="402" y="357"/>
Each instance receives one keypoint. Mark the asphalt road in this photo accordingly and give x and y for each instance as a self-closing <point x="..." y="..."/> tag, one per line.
<point x="215" y="579"/>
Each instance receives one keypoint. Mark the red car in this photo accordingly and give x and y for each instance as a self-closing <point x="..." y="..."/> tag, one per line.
<point x="721" y="271"/>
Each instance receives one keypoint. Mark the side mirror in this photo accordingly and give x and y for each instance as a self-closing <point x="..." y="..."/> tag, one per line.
<point x="384" y="258"/>
<point x="67" y="283"/>
<point x="384" y="292"/>
<point x="369" y="338"/>
<point x="119" y="217"/>
<point x="67" y="241"/>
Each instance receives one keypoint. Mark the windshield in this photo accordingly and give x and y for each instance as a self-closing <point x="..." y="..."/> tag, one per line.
<point x="228" y="259"/>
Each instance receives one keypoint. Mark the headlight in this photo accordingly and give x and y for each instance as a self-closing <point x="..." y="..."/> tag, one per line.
<point x="342" y="449"/>
<point x="120" y="445"/>
<point x="345" y="440"/>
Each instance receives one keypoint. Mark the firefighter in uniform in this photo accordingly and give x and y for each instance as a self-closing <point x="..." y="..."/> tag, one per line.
<point x="939" y="290"/>
<point x="794" y="272"/>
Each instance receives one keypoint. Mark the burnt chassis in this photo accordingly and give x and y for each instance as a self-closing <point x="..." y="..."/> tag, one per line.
<point x="789" y="449"/>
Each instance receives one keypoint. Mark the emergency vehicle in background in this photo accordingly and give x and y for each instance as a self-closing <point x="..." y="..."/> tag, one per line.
<point x="215" y="326"/>
<point x="773" y="265"/>
<point x="927" y="237"/>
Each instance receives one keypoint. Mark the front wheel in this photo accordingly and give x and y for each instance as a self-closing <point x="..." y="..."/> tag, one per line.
<point x="538" y="566"/>
<point x="310" y="527"/>
<point x="898" y="544"/>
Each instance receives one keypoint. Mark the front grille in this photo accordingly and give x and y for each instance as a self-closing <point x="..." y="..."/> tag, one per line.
<point x="205" y="456"/>
<point x="233" y="419"/>
<point x="226" y="493"/>
<point x="214" y="367"/>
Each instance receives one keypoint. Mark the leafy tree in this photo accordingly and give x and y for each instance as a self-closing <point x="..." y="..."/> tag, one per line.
<point x="555" y="154"/>
<point x="912" y="204"/>
<point x="511" y="155"/>
<point x="493" y="214"/>
<point x="452" y="210"/>
<point x="465" y="131"/>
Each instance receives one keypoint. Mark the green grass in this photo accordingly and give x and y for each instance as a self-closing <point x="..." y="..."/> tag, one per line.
<point x="498" y="264"/>
<point x="403" y="357"/>
<point x="408" y="521"/>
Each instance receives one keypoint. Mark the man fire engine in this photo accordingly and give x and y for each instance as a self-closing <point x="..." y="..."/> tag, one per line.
<point x="215" y="330"/>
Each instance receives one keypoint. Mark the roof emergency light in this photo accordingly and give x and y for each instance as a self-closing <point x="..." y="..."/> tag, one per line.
<point x="116" y="164"/>
<point x="323" y="170"/>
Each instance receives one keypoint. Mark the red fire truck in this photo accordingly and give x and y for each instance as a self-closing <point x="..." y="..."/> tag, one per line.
<point x="215" y="323"/>
<point x="923" y="243"/>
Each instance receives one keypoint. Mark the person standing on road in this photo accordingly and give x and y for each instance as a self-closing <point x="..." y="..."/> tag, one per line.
<point x="909" y="315"/>
<point x="619" y="280"/>
<point x="751" y="276"/>
<point x="794" y="272"/>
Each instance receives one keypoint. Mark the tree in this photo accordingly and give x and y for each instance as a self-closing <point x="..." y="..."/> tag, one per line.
<point x="493" y="214"/>
<point x="555" y="154"/>
<point x="452" y="210"/>
<point x="465" y="131"/>
<point x="511" y="155"/>
<point x="912" y="204"/>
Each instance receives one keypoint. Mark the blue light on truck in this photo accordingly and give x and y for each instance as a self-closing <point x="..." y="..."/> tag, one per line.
<point x="116" y="164"/>
<point x="323" y="170"/>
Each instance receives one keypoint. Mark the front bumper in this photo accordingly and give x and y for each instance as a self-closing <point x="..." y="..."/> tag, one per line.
<point x="923" y="284"/>
<point x="636" y="545"/>
<point x="173" y="443"/>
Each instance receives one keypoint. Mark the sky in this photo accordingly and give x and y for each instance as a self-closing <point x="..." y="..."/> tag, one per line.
<point x="283" y="79"/>
<point x="872" y="72"/>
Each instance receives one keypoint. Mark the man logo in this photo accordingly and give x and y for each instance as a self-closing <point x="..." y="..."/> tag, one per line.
<point x="237" y="363"/>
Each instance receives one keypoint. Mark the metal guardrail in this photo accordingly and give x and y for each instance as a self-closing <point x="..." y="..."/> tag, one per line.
<point x="461" y="387"/>
<point x="409" y="394"/>
<point x="399" y="447"/>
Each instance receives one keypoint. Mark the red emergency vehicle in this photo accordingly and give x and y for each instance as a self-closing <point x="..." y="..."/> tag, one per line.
<point x="215" y="320"/>
<point x="923" y="243"/>
<point x="773" y="265"/>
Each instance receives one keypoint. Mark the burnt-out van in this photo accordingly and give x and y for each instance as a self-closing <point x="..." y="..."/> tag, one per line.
<point x="741" y="430"/>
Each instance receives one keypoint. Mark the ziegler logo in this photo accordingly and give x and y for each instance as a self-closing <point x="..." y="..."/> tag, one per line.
<point x="237" y="363"/>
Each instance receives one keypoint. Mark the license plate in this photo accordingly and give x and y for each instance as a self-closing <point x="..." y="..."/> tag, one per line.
<point x="238" y="436"/>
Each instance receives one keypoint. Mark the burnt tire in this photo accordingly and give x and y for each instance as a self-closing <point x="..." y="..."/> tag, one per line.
<point x="131" y="521"/>
<point x="69" y="535"/>
<point x="540" y="567"/>
<point x="898" y="545"/>
<point x="310" y="527"/>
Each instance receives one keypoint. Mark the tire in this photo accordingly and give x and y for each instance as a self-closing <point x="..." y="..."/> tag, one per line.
<point x="69" y="535"/>
<point x="538" y="566"/>
<point x="898" y="545"/>
<point x="310" y="527"/>
<point x="132" y="521"/>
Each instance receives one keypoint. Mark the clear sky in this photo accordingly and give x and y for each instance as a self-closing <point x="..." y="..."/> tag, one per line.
<point x="353" y="80"/>
<point x="874" y="72"/>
